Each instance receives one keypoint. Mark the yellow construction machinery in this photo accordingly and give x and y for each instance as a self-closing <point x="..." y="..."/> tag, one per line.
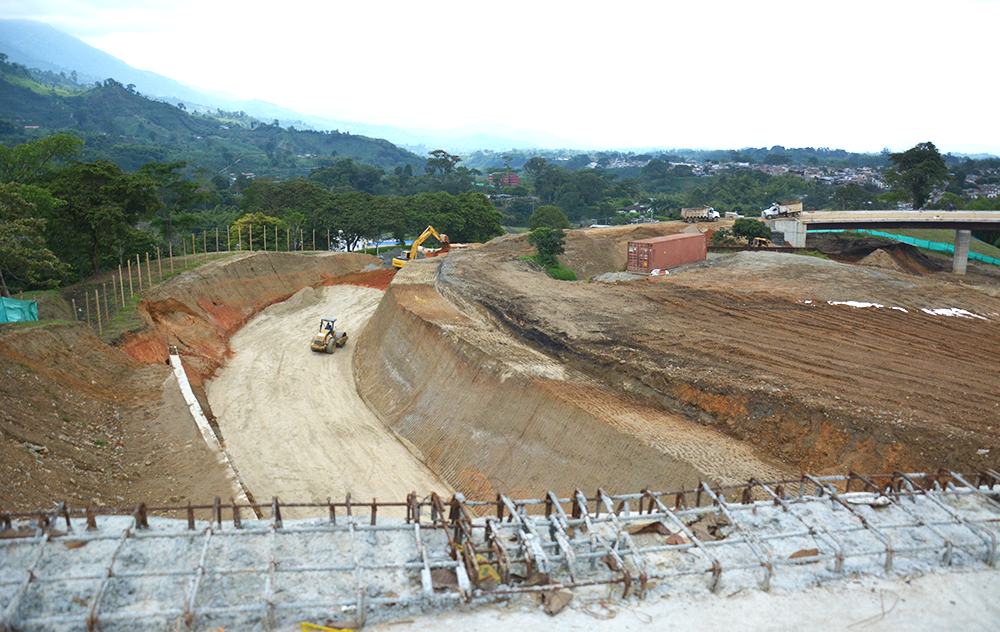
<point x="328" y="338"/>
<point x="415" y="248"/>
<point x="760" y="242"/>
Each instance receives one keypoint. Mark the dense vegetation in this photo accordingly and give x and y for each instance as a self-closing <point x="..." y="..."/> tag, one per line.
<point x="128" y="175"/>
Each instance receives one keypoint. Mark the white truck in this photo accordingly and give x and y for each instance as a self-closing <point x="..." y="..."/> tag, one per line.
<point x="785" y="209"/>
<point x="700" y="214"/>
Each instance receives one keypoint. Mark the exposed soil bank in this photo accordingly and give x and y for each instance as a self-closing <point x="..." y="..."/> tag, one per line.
<point x="491" y="414"/>
<point x="102" y="426"/>
<point x="83" y="422"/>
<point x="200" y="310"/>
<point x="774" y="349"/>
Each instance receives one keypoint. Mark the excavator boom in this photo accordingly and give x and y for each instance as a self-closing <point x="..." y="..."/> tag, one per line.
<point x="415" y="248"/>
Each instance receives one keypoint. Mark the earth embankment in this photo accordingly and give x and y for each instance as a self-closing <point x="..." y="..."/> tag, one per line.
<point x="827" y="366"/>
<point x="491" y="413"/>
<point x="200" y="310"/>
<point x="97" y="425"/>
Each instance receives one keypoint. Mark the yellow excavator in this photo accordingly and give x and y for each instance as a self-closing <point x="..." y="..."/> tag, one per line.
<point x="410" y="255"/>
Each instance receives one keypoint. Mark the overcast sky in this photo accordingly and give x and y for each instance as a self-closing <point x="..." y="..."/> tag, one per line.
<point x="852" y="74"/>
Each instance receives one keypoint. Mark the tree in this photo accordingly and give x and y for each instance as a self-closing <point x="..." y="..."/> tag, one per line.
<point x="549" y="217"/>
<point x="441" y="164"/>
<point x="102" y="204"/>
<point x="176" y="194"/>
<point x="24" y="256"/>
<point x="549" y="244"/>
<point x="263" y="228"/>
<point x="750" y="228"/>
<point x="28" y="161"/>
<point x="917" y="171"/>
<point x="535" y="166"/>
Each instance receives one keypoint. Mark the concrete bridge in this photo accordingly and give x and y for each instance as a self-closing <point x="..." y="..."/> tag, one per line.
<point x="962" y="222"/>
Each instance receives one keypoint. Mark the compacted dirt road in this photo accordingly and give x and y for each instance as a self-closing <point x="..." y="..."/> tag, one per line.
<point x="291" y="419"/>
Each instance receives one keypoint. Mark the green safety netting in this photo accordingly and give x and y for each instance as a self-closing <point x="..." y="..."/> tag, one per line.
<point x="15" y="311"/>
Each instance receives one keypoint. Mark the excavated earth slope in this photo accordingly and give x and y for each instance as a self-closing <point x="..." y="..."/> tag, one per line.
<point x="492" y="413"/>
<point x="102" y="426"/>
<point x="827" y="366"/>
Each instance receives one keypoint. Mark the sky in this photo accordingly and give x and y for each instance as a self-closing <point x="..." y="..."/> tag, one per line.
<point x="860" y="75"/>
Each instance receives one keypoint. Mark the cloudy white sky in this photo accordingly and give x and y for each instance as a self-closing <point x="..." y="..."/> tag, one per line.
<point x="853" y="74"/>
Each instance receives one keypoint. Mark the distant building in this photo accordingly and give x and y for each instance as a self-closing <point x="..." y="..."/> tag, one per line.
<point x="507" y="180"/>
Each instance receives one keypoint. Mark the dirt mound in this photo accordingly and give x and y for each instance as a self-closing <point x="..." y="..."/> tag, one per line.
<point x="854" y="250"/>
<point x="882" y="259"/>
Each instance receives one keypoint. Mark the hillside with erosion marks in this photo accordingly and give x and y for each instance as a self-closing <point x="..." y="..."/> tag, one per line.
<point x="102" y="426"/>
<point x="823" y="365"/>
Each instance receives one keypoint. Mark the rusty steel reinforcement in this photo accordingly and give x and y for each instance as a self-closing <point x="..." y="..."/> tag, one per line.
<point x="112" y="569"/>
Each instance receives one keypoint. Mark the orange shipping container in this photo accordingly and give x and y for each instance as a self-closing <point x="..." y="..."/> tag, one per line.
<point x="646" y="255"/>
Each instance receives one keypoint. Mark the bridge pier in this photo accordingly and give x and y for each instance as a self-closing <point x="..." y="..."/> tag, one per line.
<point x="795" y="232"/>
<point x="961" y="258"/>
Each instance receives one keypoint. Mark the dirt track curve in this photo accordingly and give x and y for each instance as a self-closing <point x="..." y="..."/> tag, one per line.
<point x="291" y="418"/>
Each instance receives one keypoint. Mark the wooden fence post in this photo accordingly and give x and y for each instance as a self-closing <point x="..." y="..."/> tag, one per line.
<point x="107" y="313"/>
<point x="121" y="283"/>
<point x="204" y="243"/>
<point x="97" y="305"/>
<point x="149" y="271"/>
<point x="131" y="292"/>
<point x="314" y="240"/>
<point x="216" y="240"/>
<point x="73" y="300"/>
<point x="251" y="237"/>
<point x="138" y="270"/>
<point x="86" y="298"/>
<point x="159" y="266"/>
<point x="170" y="247"/>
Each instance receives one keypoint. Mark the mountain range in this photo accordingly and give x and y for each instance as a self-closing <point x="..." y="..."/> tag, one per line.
<point x="38" y="45"/>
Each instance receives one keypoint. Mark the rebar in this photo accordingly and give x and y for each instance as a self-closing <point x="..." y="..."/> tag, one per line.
<point x="377" y="566"/>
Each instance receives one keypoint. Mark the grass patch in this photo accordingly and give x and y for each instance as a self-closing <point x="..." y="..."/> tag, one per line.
<point x="813" y="253"/>
<point x="557" y="271"/>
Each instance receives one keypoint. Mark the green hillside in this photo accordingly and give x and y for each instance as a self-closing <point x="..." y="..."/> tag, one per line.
<point x="121" y="125"/>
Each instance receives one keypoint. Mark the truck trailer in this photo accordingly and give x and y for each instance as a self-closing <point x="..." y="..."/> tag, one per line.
<point x="700" y="214"/>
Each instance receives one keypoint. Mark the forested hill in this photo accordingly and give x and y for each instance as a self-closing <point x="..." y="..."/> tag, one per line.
<point x="120" y="125"/>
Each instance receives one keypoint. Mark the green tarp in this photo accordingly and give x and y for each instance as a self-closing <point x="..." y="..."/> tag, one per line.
<point x="15" y="311"/>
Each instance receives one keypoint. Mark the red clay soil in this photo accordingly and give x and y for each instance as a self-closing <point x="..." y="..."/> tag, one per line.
<point x="101" y="426"/>
<point x="199" y="311"/>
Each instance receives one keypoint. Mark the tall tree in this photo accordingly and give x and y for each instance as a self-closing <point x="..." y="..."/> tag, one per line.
<point x="176" y="194"/>
<point x="28" y="161"/>
<point x="24" y="257"/>
<point x="917" y="171"/>
<point x="102" y="205"/>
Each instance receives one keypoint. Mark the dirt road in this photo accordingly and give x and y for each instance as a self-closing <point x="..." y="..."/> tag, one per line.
<point x="291" y="419"/>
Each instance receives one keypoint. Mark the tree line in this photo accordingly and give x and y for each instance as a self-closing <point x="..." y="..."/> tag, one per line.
<point x="62" y="219"/>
